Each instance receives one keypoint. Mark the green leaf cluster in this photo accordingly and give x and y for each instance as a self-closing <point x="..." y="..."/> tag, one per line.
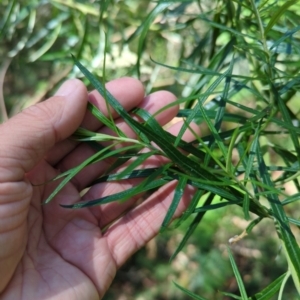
<point x="234" y="65"/>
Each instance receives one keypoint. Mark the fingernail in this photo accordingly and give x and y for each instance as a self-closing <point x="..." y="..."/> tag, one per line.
<point x="67" y="88"/>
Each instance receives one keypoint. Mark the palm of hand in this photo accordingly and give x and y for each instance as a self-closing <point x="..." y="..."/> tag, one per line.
<point x="53" y="252"/>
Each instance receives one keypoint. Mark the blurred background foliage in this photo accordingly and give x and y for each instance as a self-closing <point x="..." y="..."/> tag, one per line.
<point x="138" y="38"/>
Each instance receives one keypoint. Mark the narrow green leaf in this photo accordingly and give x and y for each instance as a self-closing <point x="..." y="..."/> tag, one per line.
<point x="191" y="208"/>
<point x="222" y="103"/>
<point x="291" y="199"/>
<point x="287" y="119"/>
<point x="83" y="134"/>
<point x="270" y="290"/>
<point x="104" y="120"/>
<point x="84" y="8"/>
<point x="137" y="162"/>
<point x="141" y="173"/>
<point x="283" y="284"/>
<point x="289" y="242"/>
<point x="253" y="224"/>
<point x="229" y="165"/>
<point x="187" y="147"/>
<point x="23" y="40"/>
<point x="178" y="192"/>
<point x="252" y="153"/>
<point x="225" y="28"/>
<point x="257" y="115"/>
<point x="74" y="172"/>
<point x="121" y="160"/>
<point x="237" y="276"/>
<point x="231" y="295"/>
<point x="83" y="39"/>
<point x="214" y="132"/>
<point x="189" y="293"/>
<point x="249" y="169"/>
<point x="198" y="107"/>
<point x="144" y="28"/>
<point x="294" y="221"/>
<point x="275" y="17"/>
<point x="184" y="113"/>
<point x="47" y="44"/>
<point x="214" y="206"/>
<point x="192" y="227"/>
<point x="243" y="154"/>
<point x="105" y="153"/>
<point x="128" y="194"/>
<point x="45" y="31"/>
<point x="7" y="15"/>
<point x="148" y="184"/>
<point x="199" y="70"/>
<point x="286" y="35"/>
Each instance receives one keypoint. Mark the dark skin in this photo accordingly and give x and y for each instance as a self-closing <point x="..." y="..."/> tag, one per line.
<point x="47" y="251"/>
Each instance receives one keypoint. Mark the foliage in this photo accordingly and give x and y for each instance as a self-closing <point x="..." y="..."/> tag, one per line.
<point x="235" y="65"/>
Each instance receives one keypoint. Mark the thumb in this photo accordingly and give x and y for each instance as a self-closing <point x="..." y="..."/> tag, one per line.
<point x="25" y="138"/>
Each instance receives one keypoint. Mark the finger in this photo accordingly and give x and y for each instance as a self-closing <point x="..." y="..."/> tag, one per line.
<point x="110" y="212"/>
<point x="26" y="137"/>
<point x="128" y="91"/>
<point x="152" y="103"/>
<point x="140" y="225"/>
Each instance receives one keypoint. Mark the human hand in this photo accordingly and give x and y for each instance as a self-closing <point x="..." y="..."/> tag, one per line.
<point x="47" y="251"/>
